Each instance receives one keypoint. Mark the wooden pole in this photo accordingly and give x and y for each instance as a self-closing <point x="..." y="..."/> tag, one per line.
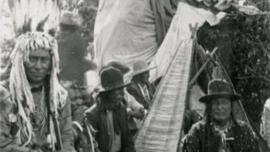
<point x="194" y="79"/>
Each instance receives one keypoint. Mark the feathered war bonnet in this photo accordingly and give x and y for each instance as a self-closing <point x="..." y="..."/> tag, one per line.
<point x="34" y="34"/>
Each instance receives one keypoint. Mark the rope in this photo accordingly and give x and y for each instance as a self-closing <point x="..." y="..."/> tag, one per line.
<point x="90" y="129"/>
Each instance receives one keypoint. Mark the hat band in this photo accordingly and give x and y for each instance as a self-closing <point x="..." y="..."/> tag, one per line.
<point x="219" y="92"/>
<point x="116" y="86"/>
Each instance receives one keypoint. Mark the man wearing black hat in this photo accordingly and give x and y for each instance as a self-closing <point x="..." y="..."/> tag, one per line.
<point x="219" y="131"/>
<point x="109" y="117"/>
<point x="141" y="89"/>
<point x="134" y="108"/>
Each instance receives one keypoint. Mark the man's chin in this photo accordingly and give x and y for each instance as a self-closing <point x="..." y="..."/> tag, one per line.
<point x="221" y="119"/>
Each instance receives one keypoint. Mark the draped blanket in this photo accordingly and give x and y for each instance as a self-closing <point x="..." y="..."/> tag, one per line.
<point x="130" y="30"/>
<point x="124" y="31"/>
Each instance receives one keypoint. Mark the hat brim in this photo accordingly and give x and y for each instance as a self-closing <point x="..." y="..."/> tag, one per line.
<point x="207" y="98"/>
<point x="113" y="88"/>
<point x="143" y="70"/>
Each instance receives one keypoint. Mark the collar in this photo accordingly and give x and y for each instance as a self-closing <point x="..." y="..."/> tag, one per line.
<point x="226" y="128"/>
<point x="112" y="107"/>
<point x="36" y="88"/>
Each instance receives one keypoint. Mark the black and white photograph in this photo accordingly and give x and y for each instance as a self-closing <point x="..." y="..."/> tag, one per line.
<point x="134" y="75"/>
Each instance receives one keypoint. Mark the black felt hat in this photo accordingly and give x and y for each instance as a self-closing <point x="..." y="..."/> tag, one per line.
<point x="111" y="78"/>
<point x="219" y="88"/>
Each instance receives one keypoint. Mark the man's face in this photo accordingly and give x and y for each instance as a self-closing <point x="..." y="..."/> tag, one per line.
<point x="221" y="109"/>
<point x="38" y="66"/>
<point x="116" y="96"/>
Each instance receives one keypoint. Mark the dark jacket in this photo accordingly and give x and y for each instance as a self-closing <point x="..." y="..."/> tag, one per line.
<point x="96" y="116"/>
<point x="136" y="92"/>
<point x="201" y="138"/>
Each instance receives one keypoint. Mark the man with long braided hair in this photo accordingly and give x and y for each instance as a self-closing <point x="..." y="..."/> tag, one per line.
<point x="40" y="117"/>
<point x="220" y="131"/>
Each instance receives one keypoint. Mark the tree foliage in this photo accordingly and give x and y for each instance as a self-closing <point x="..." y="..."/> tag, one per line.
<point x="87" y="9"/>
<point x="245" y="53"/>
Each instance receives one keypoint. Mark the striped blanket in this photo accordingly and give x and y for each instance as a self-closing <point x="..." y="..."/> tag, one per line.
<point x="162" y="126"/>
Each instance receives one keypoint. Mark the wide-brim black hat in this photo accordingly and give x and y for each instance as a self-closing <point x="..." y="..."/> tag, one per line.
<point x="111" y="79"/>
<point x="219" y="88"/>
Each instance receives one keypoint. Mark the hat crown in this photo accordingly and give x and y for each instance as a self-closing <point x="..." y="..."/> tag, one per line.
<point x="118" y="65"/>
<point x="219" y="86"/>
<point x="111" y="78"/>
<point x="139" y="65"/>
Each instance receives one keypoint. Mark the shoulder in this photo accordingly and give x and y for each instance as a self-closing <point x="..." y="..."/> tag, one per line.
<point x="198" y="127"/>
<point x="195" y="134"/>
<point x="245" y="134"/>
<point x="246" y="129"/>
<point x="200" y="124"/>
<point x="132" y="86"/>
<point x="242" y="124"/>
<point x="132" y="102"/>
<point x="93" y="110"/>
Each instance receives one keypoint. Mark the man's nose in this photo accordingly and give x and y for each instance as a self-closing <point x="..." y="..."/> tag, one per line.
<point x="38" y="64"/>
<point x="120" y="96"/>
<point x="220" y="106"/>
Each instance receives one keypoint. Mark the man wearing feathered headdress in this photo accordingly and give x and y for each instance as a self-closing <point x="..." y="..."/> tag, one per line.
<point x="36" y="115"/>
<point x="40" y="117"/>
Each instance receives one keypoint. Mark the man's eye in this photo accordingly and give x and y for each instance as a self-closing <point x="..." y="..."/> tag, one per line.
<point x="45" y="60"/>
<point x="32" y="59"/>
